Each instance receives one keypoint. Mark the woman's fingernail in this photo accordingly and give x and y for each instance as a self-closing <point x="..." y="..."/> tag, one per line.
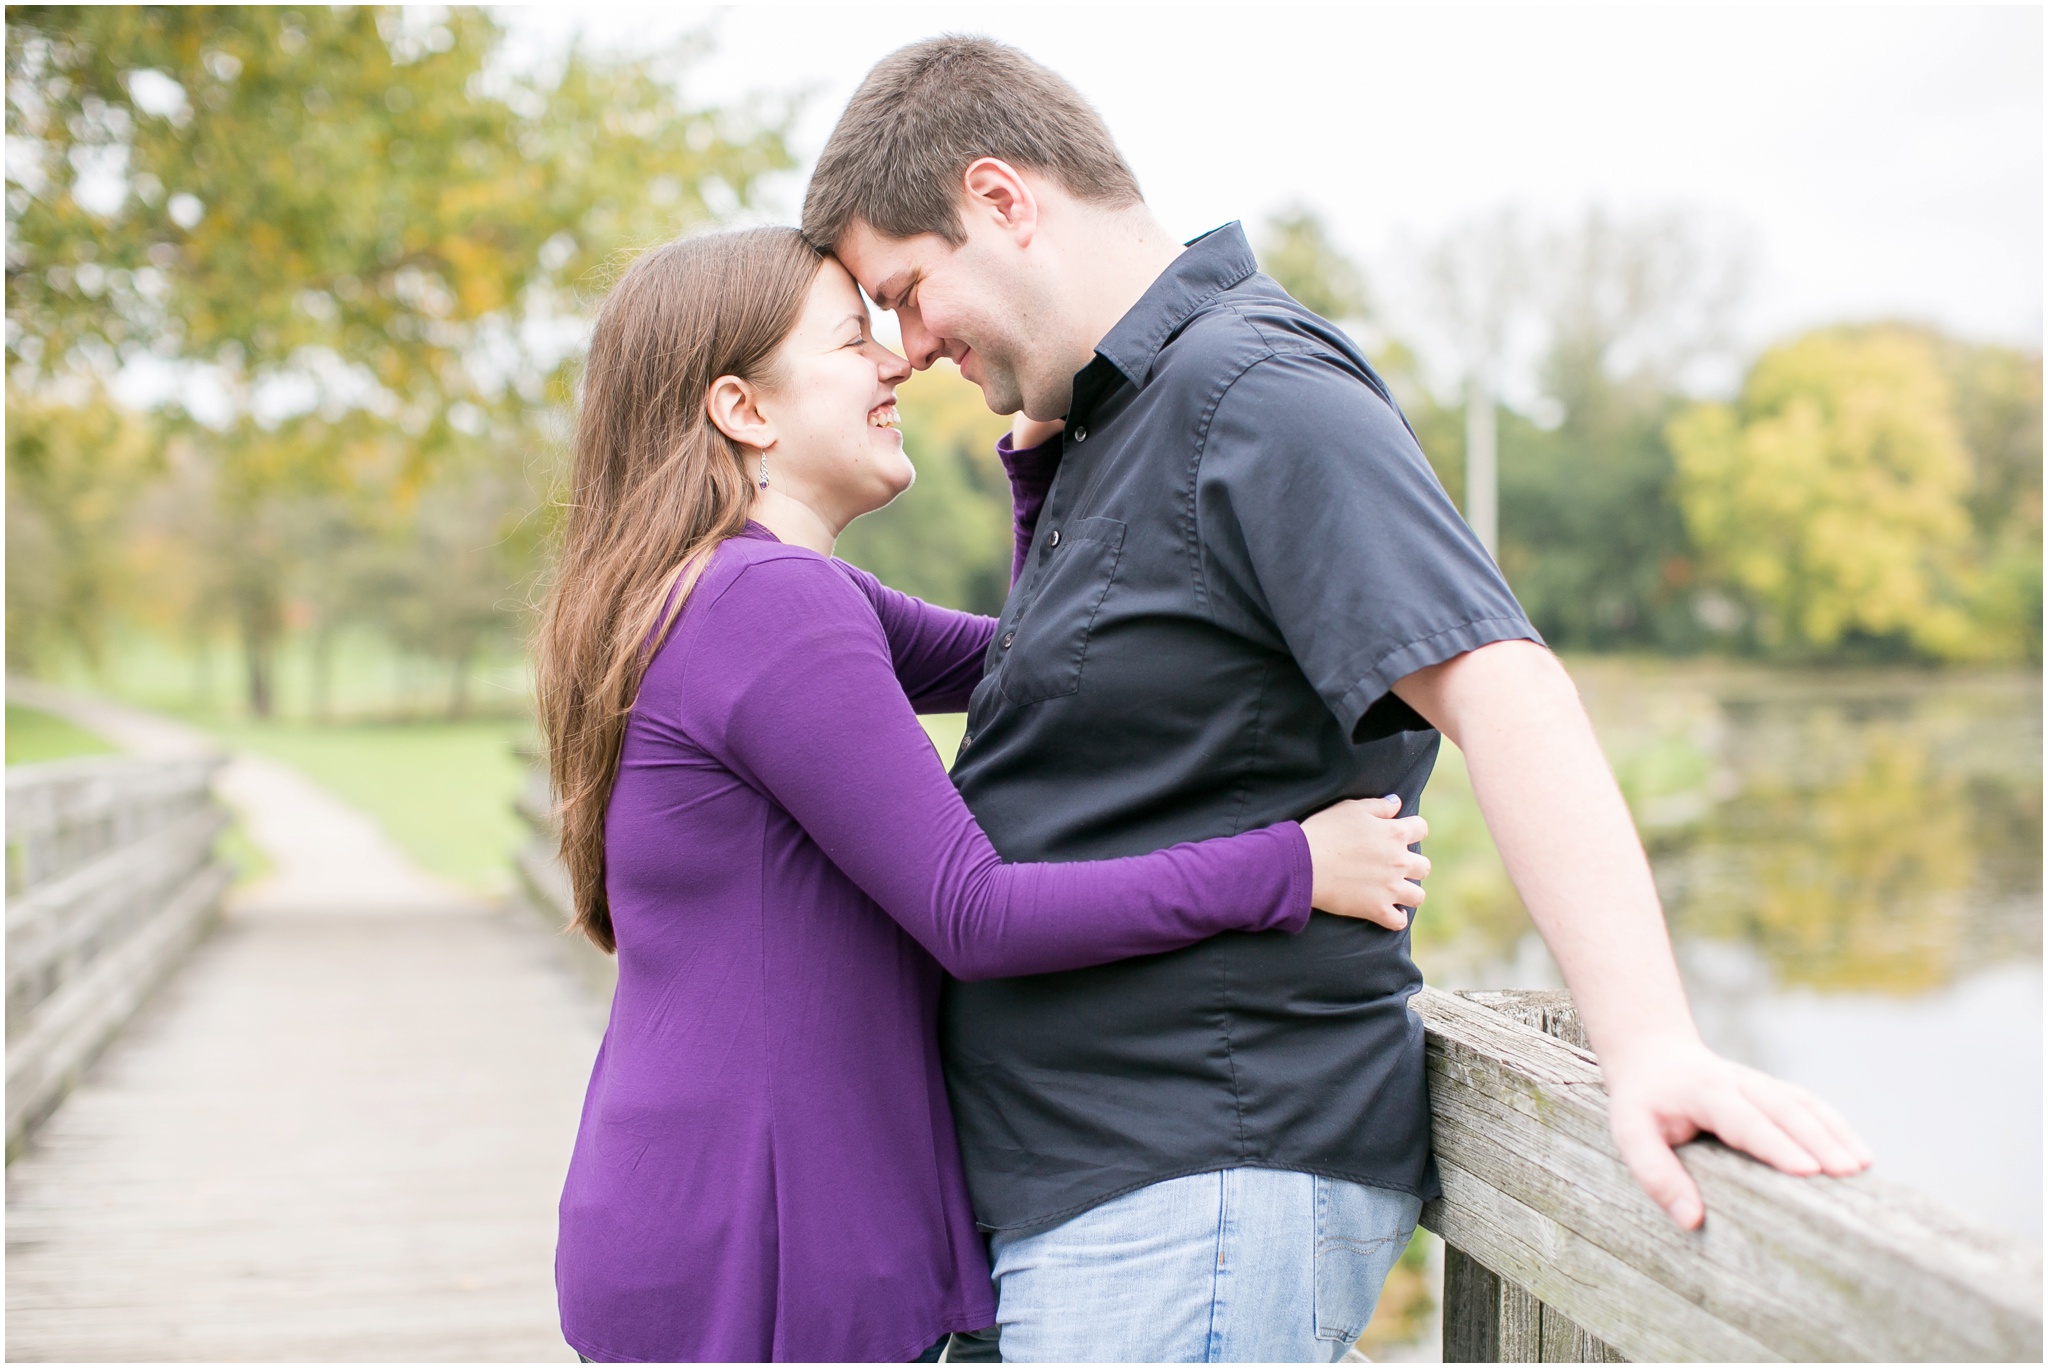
<point x="1393" y="798"/>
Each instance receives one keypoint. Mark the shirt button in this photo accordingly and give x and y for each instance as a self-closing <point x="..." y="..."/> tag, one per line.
<point x="1081" y="432"/>
<point x="1008" y="637"/>
<point x="1054" y="539"/>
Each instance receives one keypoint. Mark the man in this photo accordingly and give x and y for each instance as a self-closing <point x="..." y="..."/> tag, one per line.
<point x="1247" y="596"/>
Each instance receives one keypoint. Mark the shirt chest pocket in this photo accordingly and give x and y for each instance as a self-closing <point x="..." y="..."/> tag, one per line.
<point x="1043" y="653"/>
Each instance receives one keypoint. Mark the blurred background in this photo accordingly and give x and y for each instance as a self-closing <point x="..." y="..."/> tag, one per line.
<point x="1723" y="327"/>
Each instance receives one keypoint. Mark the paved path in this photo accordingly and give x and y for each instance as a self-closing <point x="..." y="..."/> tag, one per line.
<point x="325" y="855"/>
<point x="337" y="1134"/>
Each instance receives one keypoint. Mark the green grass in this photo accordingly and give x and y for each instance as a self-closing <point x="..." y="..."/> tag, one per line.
<point x="442" y="790"/>
<point x="367" y="680"/>
<point x="248" y="860"/>
<point x="945" y="730"/>
<point x="34" y="736"/>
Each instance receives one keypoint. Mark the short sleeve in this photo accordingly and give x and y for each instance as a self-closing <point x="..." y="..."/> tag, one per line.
<point x="1322" y="523"/>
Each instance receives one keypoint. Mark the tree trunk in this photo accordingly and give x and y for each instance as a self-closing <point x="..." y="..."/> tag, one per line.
<point x="1482" y="506"/>
<point x="256" y="657"/>
<point x="262" y="623"/>
<point x="323" y="670"/>
<point x="202" y="670"/>
<point x="458" y="688"/>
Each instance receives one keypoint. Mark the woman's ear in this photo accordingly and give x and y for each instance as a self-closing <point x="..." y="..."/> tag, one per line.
<point x="734" y="408"/>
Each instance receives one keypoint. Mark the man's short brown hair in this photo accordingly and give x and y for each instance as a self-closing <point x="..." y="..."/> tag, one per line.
<point x="930" y="110"/>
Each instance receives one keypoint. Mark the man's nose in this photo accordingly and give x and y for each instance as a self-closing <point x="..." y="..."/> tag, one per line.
<point x="920" y="347"/>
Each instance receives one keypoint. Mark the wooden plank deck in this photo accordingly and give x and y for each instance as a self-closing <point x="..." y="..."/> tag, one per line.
<point x="330" y="1137"/>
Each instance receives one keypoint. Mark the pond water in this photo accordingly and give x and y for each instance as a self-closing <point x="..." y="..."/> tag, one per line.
<point x="1851" y="867"/>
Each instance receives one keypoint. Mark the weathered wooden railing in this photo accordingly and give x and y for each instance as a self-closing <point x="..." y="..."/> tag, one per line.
<point x="1553" y="1254"/>
<point x="544" y="884"/>
<point x="111" y="878"/>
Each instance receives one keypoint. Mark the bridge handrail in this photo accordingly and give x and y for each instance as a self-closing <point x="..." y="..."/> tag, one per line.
<point x="111" y="879"/>
<point x="1553" y="1254"/>
<point x="543" y="884"/>
<point x="65" y="813"/>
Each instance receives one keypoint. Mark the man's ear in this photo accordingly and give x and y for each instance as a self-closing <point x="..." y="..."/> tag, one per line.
<point x="999" y="191"/>
<point x="734" y="407"/>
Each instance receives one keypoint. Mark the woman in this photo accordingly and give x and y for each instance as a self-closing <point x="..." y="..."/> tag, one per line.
<point x="752" y="816"/>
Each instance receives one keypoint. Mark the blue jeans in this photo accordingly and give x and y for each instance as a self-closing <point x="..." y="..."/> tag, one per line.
<point x="1246" y="1265"/>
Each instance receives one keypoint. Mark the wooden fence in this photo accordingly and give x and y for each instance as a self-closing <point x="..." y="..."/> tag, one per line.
<point x="111" y="878"/>
<point x="1553" y="1254"/>
<point x="544" y="883"/>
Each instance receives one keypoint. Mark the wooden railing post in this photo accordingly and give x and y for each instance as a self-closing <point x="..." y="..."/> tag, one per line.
<point x="1486" y="1318"/>
<point x="1471" y="1310"/>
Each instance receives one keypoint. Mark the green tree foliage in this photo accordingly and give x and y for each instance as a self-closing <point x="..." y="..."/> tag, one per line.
<point x="444" y="581"/>
<point x="1591" y="536"/>
<point x="947" y="538"/>
<point x="1296" y="250"/>
<point x="329" y="226"/>
<point x="71" y="470"/>
<point x="1833" y="496"/>
<point x="1998" y="402"/>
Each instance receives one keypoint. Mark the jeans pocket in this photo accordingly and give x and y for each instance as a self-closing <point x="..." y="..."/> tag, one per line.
<point x="1360" y="1233"/>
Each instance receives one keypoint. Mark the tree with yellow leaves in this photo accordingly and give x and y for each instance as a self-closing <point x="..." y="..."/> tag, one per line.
<point x="1832" y="496"/>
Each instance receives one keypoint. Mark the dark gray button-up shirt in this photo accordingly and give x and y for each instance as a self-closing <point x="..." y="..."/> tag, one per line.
<point x="1241" y="553"/>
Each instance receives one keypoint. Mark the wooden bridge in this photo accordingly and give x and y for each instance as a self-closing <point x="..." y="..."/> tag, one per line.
<point x="336" y="1130"/>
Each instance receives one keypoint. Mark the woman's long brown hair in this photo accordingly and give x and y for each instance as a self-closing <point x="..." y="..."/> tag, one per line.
<point x="655" y="489"/>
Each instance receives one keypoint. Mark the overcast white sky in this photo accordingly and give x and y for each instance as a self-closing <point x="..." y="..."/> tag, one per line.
<point x="1882" y="162"/>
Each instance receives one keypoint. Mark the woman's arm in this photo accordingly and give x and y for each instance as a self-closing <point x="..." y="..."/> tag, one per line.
<point x="795" y="691"/>
<point x="936" y="653"/>
<point x="1030" y="453"/>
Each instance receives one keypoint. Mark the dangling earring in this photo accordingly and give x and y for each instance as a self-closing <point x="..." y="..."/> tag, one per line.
<point x="764" y="470"/>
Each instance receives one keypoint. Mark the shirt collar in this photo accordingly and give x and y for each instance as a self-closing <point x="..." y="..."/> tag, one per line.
<point x="1212" y="263"/>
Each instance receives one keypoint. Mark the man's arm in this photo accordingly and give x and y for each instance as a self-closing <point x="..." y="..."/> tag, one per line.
<point x="1569" y="845"/>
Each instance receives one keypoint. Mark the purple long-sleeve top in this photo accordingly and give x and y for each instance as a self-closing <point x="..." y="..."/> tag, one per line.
<point x="766" y="1167"/>
<point x="1030" y="470"/>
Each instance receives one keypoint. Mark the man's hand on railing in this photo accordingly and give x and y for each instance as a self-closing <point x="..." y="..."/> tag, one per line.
<point x="1566" y="837"/>
<point x="1662" y="1095"/>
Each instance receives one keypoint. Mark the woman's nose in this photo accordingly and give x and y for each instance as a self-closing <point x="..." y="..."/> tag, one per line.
<point x="890" y="366"/>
